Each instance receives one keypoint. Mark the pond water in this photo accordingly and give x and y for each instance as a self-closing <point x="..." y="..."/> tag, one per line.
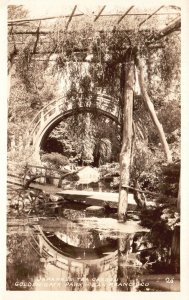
<point x="62" y="248"/>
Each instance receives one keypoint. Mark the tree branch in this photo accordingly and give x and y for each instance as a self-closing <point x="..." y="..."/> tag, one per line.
<point x="165" y="31"/>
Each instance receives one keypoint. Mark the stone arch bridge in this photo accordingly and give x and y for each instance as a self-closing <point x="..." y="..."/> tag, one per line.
<point x="57" y="110"/>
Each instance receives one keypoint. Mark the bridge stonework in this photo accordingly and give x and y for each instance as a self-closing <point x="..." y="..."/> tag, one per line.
<point x="57" y="110"/>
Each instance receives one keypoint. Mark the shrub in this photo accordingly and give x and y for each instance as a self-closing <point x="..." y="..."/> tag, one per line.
<point x="55" y="159"/>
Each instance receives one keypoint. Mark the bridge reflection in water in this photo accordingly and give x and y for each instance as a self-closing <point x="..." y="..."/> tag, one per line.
<point x="61" y="255"/>
<point x="75" y="268"/>
<point x="94" y="266"/>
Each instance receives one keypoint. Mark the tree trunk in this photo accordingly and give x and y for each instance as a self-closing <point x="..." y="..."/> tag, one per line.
<point x="125" y="155"/>
<point x="151" y="110"/>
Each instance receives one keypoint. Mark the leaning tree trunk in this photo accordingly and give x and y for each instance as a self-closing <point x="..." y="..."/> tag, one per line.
<point x="125" y="155"/>
<point x="151" y="109"/>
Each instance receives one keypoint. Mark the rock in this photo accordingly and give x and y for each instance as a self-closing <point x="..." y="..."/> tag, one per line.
<point x="55" y="198"/>
<point x="87" y="175"/>
<point x="133" y="217"/>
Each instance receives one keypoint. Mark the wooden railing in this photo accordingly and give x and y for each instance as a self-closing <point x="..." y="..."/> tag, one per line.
<point x="47" y="175"/>
<point x="50" y="109"/>
<point x="55" y="108"/>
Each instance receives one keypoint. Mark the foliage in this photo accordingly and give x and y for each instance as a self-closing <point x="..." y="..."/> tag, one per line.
<point x="170" y="108"/>
<point x="95" y="142"/>
<point x="32" y="84"/>
<point x="55" y="159"/>
<point x="110" y="64"/>
<point x="16" y="12"/>
<point x="109" y="169"/>
<point x="170" y="179"/>
<point x="89" y="62"/>
<point x="162" y="222"/>
<point x="105" y="50"/>
<point x="171" y="217"/>
<point x="24" y="103"/>
<point x="149" y="170"/>
<point x="171" y="125"/>
<point x="20" y="156"/>
<point x="103" y="53"/>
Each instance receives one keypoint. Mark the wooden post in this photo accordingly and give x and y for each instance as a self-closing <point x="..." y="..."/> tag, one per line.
<point x="125" y="155"/>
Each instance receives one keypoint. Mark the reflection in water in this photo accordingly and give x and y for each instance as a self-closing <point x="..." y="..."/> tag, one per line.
<point x="75" y="268"/>
<point x="59" y="254"/>
<point x="23" y="262"/>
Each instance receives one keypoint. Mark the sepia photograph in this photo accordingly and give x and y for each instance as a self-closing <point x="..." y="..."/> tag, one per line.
<point x="93" y="184"/>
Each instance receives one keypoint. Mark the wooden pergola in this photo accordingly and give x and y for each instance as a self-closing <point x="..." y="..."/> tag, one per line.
<point x="171" y="13"/>
<point x="162" y="20"/>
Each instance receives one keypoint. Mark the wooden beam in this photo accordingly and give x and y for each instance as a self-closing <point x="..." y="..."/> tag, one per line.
<point x="123" y="16"/>
<point x="138" y="14"/>
<point x="140" y="24"/>
<point x="165" y="31"/>
<point x="18" y="22"/>
<point x="173" y="20"/>
<point x="96" y="18"/>
<point x="71" y="16"/>
<point x="170" y="28"/>
<point x="41" y="19"/>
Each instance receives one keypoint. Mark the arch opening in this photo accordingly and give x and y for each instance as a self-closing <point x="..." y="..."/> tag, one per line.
<point x="97" y="130"/>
